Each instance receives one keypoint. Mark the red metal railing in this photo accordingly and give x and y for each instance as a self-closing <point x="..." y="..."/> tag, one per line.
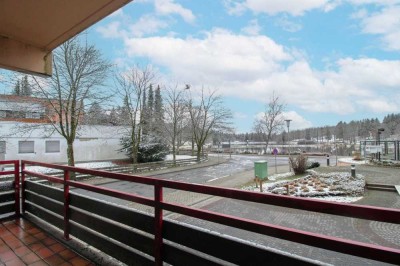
<point x="14" y="172"/>
<point x="346" y="246"/>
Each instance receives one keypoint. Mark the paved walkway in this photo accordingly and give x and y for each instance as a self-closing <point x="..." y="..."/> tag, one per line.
<point x="22" y="243"/>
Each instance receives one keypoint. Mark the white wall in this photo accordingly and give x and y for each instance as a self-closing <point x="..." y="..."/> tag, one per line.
<point x="93" y="143"/>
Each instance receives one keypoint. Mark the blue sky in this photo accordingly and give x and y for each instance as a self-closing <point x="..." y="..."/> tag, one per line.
<point x="327" y="60"/>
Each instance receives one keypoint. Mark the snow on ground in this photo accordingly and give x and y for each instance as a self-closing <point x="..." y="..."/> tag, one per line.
<point x="169" y="157"/>
<point x="337" y="186"/>
<point x="45" y="170"/>
<point x="350" y="160"/>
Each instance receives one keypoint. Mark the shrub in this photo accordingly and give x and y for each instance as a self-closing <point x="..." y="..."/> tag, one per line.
<point x="313" y="165"/>
<point x="298" y="163"/>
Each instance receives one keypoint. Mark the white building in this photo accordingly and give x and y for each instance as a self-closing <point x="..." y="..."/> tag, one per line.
<point x="92" y="143"/>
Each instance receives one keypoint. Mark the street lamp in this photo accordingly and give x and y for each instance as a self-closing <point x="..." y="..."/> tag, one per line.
<point x="380" y="130"/>
<point x="288" y="125"/>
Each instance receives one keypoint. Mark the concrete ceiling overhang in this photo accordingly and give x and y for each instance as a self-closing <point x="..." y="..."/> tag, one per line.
<point x="31" y="29"/>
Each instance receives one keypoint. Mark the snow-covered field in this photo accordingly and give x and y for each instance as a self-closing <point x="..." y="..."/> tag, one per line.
<point x="338" y="186"/>
<point x="169" y="157"/>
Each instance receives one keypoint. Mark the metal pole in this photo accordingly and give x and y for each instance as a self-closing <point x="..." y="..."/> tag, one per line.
<point x="158" y="215"/>
<point x="353" y="170"/>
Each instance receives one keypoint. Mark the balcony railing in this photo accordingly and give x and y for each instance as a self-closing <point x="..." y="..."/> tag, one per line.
<point x="138" y="238"/>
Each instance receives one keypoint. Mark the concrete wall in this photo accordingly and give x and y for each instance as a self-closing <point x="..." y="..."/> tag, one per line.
<point x="92" y="144"/>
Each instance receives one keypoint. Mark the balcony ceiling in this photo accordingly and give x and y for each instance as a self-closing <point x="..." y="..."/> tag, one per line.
<point x="30" y="30"/>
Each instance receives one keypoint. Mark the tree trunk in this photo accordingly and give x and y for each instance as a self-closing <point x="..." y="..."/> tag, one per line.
<point x="71" y="159"/>
<point x="192" y="145"/>
<point x="173" y="151"/>
<point x="70" y="153"/>
<point x="198" y="154"/>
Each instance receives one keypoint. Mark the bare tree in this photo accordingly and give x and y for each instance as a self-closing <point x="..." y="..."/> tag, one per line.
<point x="207" y="114"/>
<point x="79" y="71"/>
<point x="272" y="120"/>
<point x="176" y="115"/>
<point x="131" y="87"/>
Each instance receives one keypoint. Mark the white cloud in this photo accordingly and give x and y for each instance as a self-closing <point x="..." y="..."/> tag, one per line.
<point x="167" y="7"/>
<point x="288" y="25"/>
<point x="253" y="28"/>
<point x="112" y="30"/>
<point x="252" y="67"/>
<point x="273" y="7"/>
<point x="298" y="122"/>
<point x="385" y="23"/>
<point x="147" y="24"/>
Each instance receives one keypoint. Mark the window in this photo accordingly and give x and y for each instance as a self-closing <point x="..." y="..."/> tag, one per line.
<point x="52" y="146"/>
<point x="33" y="115"/>
<point x="26" y="146"/>
<point x="2" y="147"/>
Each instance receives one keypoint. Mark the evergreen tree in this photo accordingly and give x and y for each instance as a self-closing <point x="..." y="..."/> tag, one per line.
<point x="150" y="109"/>
<point x="26" y="89"/>
<point x="158" y="114"/>
<point x="17" y="88"/>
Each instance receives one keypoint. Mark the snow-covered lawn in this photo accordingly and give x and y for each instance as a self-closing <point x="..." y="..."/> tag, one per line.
<point x="350" y="160"/>
<point x="338" y="186"/>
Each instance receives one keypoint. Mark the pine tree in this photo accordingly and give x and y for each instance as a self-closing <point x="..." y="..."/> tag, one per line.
<point x="17" y="88"/>
<point x="158" y="114"/>
<point x="26" y="89"/>
<point x="150" y="109"/>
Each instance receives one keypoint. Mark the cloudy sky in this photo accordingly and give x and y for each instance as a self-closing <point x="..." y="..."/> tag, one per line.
<point x="328" y="60"/>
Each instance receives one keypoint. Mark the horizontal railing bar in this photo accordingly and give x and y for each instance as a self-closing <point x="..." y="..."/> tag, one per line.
<point x="47" y="177"/>
<point x="346" y="246"/>
<point x="7" y="173"/>
<point x="114" y="193"/>
<point x="9" y="162"/>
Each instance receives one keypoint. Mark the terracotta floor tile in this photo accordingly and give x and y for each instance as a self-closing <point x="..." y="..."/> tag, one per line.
<point x="39" y="263"/>
<point x="14" y="244"/>
<point x="8" y="255"/>
<point x="9" y="238"/>
<point x="40" y="236"/>
<point x="36" y="246"/>
<point x="44" y="252"/>
<point x="57" y="247"/>
<point x="15" y="262"/>
<point x="33" y="231"/>
<point x="4" y="247"/>
<point x="30" y="258"/>
<point x="29" y="240"/>
<point x="67" y="254"/>
<point x="54" y="260"/>
<point x="79" y="261"/>
<point x="49" y="241"/>
<point x="21" y="251"/>
<point x="66" y="264"/>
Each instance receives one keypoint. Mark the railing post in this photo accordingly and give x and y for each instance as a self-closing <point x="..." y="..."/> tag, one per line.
<point x="66" y="205"/>
<point x="17" y="189"/>
<point x="158" y="216"/>
<point x="23" y="186"/>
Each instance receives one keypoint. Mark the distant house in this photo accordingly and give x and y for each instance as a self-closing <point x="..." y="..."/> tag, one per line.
<point x="28" y="109"/>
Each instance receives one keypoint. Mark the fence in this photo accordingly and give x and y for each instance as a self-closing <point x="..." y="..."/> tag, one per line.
<point x="137" y="238"/>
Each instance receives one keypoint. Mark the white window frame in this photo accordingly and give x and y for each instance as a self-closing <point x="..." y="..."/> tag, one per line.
<point x="53" y="150"/>
<point x="26" y="142"/>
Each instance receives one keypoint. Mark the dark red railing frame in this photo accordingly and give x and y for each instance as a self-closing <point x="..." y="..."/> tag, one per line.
<point x="17" y="190"/>
<point x="351" y="247"/>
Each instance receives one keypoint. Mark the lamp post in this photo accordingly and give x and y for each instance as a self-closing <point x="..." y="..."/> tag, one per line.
<point x="288" y="126"/>
<point x="380" y="130"/>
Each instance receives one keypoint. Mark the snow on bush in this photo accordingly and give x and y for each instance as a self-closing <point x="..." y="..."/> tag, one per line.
<point x="337" y="186"/>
